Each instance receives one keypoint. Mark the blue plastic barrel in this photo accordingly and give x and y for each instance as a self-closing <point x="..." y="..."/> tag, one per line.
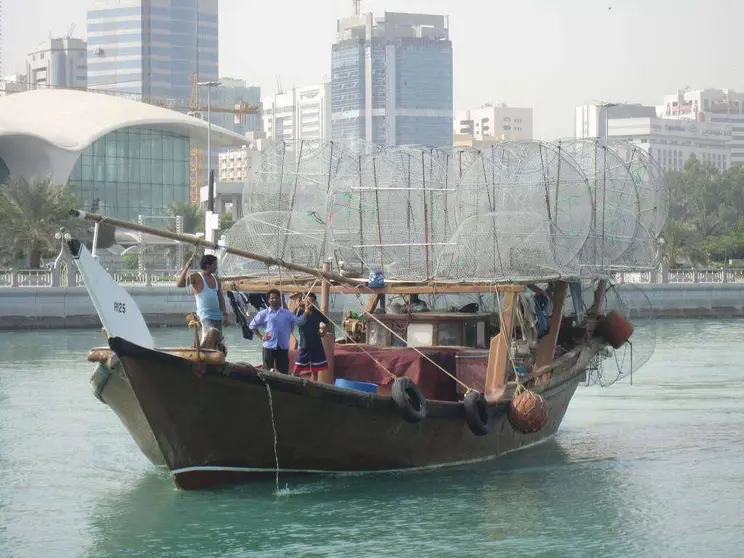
<point x="366" y="387"/>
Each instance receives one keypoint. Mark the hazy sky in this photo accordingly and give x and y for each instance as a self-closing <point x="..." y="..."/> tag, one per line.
<point x="551" y="55"/>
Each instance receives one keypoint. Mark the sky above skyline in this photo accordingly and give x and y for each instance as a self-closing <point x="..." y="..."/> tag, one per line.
<point x="551" y="56"/>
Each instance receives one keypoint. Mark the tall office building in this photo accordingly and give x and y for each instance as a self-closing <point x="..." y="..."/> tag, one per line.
<point x="391" y="79"/>
<point x="58" y="63"/>
<point x="152" y="47"/>
<point x="303" y="113"/>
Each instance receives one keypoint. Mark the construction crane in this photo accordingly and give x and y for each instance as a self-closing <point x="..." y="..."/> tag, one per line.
<point x="196" y="160"/>
<point x="357" y="7"/>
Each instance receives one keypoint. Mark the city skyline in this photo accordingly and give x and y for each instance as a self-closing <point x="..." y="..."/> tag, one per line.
<point x="543" y="56"/>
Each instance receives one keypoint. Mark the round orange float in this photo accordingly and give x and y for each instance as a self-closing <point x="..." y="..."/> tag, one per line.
<point x="528" y="412"/>
<point x="614" y="329"/>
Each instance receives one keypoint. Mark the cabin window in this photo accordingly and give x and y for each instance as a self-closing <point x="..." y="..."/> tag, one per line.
<point x="481" y="334"/>
<point x="421" y="335"/>
<point x="449" y="334"/>
<point x="399" y="339"/>
<point x="471" y="334"/>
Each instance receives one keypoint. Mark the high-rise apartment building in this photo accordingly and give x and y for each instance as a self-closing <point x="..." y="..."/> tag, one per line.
<point x="152" y="47"/>
<point x="715" y="106"/>
<point x="590" y="121"/>
<point x="303" y="113"/>
<point x="391" y="79"/>
<point x="496" y="121"/>
<point x="58" y="63"/>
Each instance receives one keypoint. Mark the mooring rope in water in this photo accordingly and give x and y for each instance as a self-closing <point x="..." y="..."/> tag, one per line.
<point x="273" y="426"/>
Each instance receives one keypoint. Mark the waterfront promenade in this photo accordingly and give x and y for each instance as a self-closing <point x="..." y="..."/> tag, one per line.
<point x="40" y="299"/>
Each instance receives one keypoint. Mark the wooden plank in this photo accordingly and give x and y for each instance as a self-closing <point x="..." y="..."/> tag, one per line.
<point x="498" y="355"/>
<point x="263" y="286"/>
<point x="546" y="345"/>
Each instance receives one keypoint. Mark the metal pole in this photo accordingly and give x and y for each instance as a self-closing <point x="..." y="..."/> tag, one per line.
<point x="209" y="130"/>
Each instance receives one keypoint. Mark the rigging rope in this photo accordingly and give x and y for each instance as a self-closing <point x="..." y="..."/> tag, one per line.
<point x="425" y="356"/>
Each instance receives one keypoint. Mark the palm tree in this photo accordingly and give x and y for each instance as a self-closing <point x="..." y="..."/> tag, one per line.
<point x="31" y="212"/>
<point x="193" y="217"/>
<point x="193" y="220"/>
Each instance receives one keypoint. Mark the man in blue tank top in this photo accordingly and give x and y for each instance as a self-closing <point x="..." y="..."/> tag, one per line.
<point x="278" y="322"/>
<point x="210" y="304"/>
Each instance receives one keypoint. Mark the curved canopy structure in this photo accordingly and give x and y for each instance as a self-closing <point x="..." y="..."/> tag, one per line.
<point x="43" y="132"/>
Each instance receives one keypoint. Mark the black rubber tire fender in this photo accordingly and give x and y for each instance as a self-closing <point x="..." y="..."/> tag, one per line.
<point x="476" y="413"/>
<point x="409" y="400"/>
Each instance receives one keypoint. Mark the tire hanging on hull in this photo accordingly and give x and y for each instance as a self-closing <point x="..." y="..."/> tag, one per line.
<point x="476" y="413"/>
<point x="409" y="400"/>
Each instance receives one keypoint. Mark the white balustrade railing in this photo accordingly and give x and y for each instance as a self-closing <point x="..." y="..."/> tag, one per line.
<point x="54" y="278"/>
<point x="166" y="277"/>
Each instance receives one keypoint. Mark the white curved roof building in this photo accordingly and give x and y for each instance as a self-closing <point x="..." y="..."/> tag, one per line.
<point x="104" y="145"/>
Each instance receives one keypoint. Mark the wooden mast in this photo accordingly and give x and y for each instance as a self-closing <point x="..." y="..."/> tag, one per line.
<point x="197" y="241"/>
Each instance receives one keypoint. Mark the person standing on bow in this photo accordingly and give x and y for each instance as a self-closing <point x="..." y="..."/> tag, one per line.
<point x="311" y="357"/>
<point x="210" y="304"/>
<point x="278" y="323"/>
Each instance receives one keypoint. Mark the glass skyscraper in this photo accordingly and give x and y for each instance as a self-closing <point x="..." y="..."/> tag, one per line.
<point x="391" y="80"/>
<point x="152" y="47"/>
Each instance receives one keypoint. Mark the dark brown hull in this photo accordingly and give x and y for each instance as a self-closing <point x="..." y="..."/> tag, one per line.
<point x="217" y="428"/>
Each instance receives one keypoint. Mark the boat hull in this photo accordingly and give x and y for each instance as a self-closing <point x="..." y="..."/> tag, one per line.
<point x="112" y="387"/>
<point x="219" y="425"/>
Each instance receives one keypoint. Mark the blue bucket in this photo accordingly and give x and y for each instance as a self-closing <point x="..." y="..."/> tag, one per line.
<point x="366" y="387"/>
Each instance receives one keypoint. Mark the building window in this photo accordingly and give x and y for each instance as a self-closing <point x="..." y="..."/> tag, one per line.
<point x="134" y="172"/>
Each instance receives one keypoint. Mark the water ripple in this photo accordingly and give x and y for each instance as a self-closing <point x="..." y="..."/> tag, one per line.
<point x="655" y="469"/>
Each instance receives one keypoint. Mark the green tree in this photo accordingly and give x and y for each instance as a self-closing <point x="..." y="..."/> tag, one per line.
<point x="681" y="242"/>
<point x="226" y="221"/>
<point x="193" y="217"/>
<point x="31" y="213"/>
<point x="704" y="222"/>
<point x="193" y="220"/>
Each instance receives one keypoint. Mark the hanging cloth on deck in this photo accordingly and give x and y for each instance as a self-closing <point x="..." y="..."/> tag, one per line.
<point x="240" y="315"/>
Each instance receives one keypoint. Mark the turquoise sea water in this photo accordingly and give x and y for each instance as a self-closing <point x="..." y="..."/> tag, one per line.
<point x="652" y="469"/>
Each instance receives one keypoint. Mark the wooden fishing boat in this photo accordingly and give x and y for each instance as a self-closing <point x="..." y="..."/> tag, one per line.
<point x="405" y="389"/>
<point x="451" y="392"/>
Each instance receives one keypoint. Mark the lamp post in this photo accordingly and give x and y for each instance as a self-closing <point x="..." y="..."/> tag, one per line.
<point x="209" y="225"/>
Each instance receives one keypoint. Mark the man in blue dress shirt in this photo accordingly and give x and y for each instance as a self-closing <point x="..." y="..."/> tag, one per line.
<point x="278" y="323"/>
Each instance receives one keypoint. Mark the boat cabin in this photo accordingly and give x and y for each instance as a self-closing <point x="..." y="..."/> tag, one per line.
<point x="432" y="329"/>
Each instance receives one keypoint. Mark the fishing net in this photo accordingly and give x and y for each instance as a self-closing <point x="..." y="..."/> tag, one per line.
<point x="514" y="211"/>
<point x="615" y="209"/>
<point x="611" y="364"/>
<point x="392" y="212"/>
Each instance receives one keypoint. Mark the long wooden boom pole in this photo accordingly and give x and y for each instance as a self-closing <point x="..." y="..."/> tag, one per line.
<point x="198" y="241"/>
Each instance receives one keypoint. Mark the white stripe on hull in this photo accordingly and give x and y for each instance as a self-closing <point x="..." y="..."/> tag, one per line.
<point x="223" y="469"/>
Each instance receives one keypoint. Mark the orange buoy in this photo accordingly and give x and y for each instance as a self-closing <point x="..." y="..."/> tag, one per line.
<point x="614" y="329"/>
<point x="528" y="412"/>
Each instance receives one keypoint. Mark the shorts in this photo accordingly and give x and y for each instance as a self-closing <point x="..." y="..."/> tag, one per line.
<point x="276" y="359"/>
<point x="207" y="324"/>
<point x="309" y="360"/>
